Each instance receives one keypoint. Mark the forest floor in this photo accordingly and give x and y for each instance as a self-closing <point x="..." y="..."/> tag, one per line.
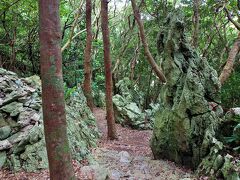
<point x="128" y="158"/>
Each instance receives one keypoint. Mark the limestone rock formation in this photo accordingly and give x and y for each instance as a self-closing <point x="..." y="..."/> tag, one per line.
<point x="127" y="107"/>
<point x="22" y="143"/>
<point x="184" y="129"/>
<point x="128" y="113"/>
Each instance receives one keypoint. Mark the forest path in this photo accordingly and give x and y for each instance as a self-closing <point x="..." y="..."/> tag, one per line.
<point x="130" y="156"/>
<point x="132" y="141"/>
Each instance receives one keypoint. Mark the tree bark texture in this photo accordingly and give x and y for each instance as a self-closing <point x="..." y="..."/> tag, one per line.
<point x="87" y="58"/>
<point x="148" y="54"/>
<point x="112" y="134"/>
<point x="226" y="72"/>
<point x="196" y="5"/>
<point x="59" y="155"/>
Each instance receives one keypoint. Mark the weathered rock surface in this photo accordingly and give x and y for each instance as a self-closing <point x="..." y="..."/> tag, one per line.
<point x="127" y="107"/>
<point x="95" y="172"/>
<point x="137" y="167"/>
<point x="190" y="127"/>
<point x="22" y="144"/>
<point x="128" y="113"/>
<point x="185" y="127"/>
<point x="219" y="165"/>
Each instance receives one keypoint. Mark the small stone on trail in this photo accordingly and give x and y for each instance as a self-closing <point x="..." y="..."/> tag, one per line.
<point x="124" y="157"/>
<point x="94" y="172"/>
<point x="115" y="174"/>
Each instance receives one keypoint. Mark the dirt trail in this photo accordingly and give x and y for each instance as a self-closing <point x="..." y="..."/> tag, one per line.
<point x="133" y="141"/>
<point x="130" y="156"/>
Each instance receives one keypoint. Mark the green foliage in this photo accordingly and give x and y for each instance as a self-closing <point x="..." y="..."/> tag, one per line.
<point x="230" y="90"/>
<point x="19" y="25"/>
<point x="234" y="139"/>
<point x="68" y="92"/>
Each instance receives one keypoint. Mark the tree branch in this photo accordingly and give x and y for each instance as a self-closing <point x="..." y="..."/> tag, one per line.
<point x="67" y="44"/>
<point x="148" y="54"/>
<point x="237" y="25"/>
<point x="9" y="7"/>
<point x="230" y="61"/>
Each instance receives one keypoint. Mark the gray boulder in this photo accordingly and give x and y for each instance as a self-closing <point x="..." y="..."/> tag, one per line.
<point x="128" y="113"/>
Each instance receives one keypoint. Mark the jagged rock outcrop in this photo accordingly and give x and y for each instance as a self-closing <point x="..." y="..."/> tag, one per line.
<point x="128" y="113"/>
<point x="185" y="127"/>
<point x="190" y="127"/>
<point x="222" y="161"/>
<point x="218" y="164"/>
<point x="22" y="144"/>
<point x="127" y="107"/>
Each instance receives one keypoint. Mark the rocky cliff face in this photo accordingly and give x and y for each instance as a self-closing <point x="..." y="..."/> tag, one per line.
<point x="184" y="129"/>
<point x="22" y="144"/>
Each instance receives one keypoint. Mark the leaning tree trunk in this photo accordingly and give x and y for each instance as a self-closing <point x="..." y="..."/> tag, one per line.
<point x="59" y="156"/>
<point x="226" y="72"/>
<point x="148" y="54"/>
<point x="87" y="58"/>
<point x="108" y="73"/>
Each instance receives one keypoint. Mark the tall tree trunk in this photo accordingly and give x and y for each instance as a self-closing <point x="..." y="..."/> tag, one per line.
<point x="54" y="116"/>
<point x="230" y="61"/>
<point x="148" y="54"/>
<point x="112" y="134"/>
<point x="196" y="5"/>
<point x="87" y="57"/>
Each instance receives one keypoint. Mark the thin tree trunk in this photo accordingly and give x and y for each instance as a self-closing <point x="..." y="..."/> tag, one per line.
<point x="75" y="22"/>
<point x="54" y="116"/>
<point x="235" y="23"/>
<point x="148" y="54"/>
<point x="112" y="134"/>
<point x="230" y="61"/>
<point x="174" y="3"/>
<point x="196" y="5"/>
<point x="87" y="58"/>
<point x="134" y="60"/>
<point x="147" y="98"/>
<point x="13" y="52"/>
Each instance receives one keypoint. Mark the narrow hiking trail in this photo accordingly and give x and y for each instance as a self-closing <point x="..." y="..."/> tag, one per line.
<point x="132" y="141"/>
<point x="130" y="156"/>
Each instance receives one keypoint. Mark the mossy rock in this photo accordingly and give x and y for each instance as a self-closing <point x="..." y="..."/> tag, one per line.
<point x="185" y="127"/>
<point x="21" y="124"/>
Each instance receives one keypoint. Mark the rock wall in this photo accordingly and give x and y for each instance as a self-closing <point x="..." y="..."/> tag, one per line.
<point x="22" y="143"/>
<point x="184" y="129"/>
